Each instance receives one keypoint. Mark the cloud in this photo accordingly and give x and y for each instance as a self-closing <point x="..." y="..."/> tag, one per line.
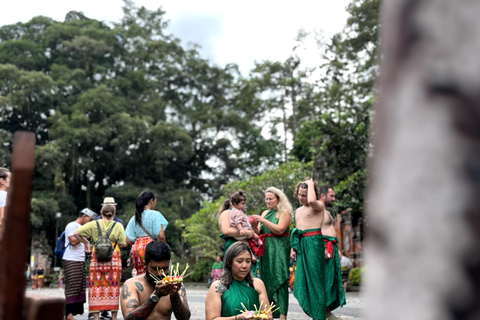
<point x="200" y="28"/>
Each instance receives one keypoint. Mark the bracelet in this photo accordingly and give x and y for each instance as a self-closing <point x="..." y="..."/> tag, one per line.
<point x="235" y="317"/>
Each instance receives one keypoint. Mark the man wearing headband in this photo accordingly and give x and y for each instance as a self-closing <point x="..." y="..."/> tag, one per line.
<point x="74" y="266"/>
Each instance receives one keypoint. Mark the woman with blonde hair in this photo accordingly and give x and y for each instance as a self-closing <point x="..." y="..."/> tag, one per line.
<point x="275" y="262"/>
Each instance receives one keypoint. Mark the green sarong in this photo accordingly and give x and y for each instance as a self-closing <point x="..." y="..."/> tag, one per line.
<point x="333" y="278"/>
<point x="309" y="285"/>
<point x="239" y="292"/>
<point x="228" y="242"/>
<point x="274" y="266"/>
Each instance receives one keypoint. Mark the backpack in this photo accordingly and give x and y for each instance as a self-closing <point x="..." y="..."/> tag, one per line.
<point x="103" y="246"/>
<point x="60" y="247"/>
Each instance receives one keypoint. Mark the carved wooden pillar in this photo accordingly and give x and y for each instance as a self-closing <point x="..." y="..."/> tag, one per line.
<point x="14" y="242"/>
<point x="423" y="240"/>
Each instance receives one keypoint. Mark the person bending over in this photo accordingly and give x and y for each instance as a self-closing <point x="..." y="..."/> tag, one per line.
<point x="143" y="298"/>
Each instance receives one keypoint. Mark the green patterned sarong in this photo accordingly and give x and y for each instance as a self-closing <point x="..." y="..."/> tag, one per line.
<point x="333" y="278"/>
<point x="309" y="286"/>
<point x="274" y="266"/>
<point x="239" y="292"/>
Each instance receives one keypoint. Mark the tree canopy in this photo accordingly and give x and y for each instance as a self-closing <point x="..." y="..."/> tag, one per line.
<point x="118" y="108"/>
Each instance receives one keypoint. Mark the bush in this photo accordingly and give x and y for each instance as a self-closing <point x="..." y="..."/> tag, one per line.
<point x="201" y="269"/>
<point x="355" y="276"/>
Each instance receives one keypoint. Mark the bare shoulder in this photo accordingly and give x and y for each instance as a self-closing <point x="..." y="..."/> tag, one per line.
<point x="259" y="282"/>
<point x="259" y="285"/>
<point x="218" y="287"/>
<point x="264" y="213"/>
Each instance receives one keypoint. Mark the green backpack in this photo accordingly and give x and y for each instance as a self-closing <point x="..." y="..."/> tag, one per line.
<point x="103" y="246"/>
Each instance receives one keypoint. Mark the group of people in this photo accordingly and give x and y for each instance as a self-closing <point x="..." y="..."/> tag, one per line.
<point x="259" y="241"/>
<point x="263" y="242"/>
<point x="104" y="275"/>
<point x="267" y="237"/>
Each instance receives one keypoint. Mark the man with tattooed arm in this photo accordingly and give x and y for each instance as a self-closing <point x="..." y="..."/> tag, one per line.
<point x="143" y="298"/>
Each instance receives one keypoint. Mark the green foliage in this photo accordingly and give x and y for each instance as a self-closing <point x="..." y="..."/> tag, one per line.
<point x="120" y="108"/>
<point x="355" y="276"/>
<point x="201" y="270"/>
<point x="350" y="193"/>
<point x="201" y="230"/>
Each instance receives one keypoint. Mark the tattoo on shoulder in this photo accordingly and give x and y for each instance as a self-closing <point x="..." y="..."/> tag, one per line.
<point x="125" y="292"/>
<point x="139" y="286"/>
<point x="221" y="288"/>
<point x="132" y="303"/>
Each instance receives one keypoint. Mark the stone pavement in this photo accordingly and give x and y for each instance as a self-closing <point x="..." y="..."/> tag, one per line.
<point x="196" y="300"/>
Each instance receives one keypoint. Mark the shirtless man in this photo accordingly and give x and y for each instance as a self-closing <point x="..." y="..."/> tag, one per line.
<point x="307" y="241"/>
<point x="333" y="273"/>
<point x="141" y="298"/>
<point x="327" y="197"/>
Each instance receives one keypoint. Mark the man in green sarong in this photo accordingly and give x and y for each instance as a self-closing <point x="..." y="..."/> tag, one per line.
<point x="333" y="272"/>
<point x="307" y="249"/>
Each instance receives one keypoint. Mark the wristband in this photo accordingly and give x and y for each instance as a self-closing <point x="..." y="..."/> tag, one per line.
<point x="235" y="317"/>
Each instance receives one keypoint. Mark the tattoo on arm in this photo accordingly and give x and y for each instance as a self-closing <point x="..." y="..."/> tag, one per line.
<point x="180" y="305"/>
<point x="125" y="292"/>
<point x="132" y="303"/>
<point x="142" y="312"/>
<point x="221" y="288"/>
<point x="139" y="286"/>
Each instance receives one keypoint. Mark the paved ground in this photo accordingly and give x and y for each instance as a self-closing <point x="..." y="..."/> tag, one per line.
<point x="196" y="299"/>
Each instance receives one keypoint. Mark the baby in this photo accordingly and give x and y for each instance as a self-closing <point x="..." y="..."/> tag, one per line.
<point x="239" y="220"/>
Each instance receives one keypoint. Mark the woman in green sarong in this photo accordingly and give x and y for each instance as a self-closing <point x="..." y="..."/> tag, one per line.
<point x="237" y="289"/>
<point x="275" y="262"/>
<point x="229" y="233"/>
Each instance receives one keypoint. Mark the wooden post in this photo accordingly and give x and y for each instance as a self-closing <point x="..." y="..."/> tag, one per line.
<point x="14" y="241"/>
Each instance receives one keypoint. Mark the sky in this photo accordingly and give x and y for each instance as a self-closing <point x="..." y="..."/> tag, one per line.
<point x="240" y="32"/>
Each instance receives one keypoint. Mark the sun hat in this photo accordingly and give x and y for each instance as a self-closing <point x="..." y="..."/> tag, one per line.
<point x="89" y="213"/>
<point x="109" y="200"/>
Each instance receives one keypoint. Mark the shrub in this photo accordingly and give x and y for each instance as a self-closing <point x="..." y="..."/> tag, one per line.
<point x="201" y="269"/>
<point x="355" y="276"/>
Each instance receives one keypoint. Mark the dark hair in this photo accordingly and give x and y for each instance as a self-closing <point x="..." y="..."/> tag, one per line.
<point x="303" y="185"/>
<point x="234" y="198"/>
<point x="108" y="210"/>
<point x="238" y="197"/>
<point x="142" y="200"/>
<point x="234" y="250"/>
<point x="225" y="205"/>
<point x="157" y="251"/>
<point x="4" y="173"/>
<point x="324" y="189"/>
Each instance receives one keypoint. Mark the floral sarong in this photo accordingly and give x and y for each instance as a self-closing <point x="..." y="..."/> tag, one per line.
<point x="138" y="253"/>
<point x="104" y="283"/>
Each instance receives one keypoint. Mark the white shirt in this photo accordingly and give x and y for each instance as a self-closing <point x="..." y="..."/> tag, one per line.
<point x="77" y="252"/>
<point x="345" y="262"/>
<point x="3" y="198"/>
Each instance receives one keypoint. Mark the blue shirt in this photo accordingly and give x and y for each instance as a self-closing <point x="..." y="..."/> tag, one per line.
<point x="151" y="221"/>
<point x="115" y="218"/>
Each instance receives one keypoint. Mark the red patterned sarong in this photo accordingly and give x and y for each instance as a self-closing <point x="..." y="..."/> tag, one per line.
<point x="138" y="254"/>
<point x="104" y="283"/>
